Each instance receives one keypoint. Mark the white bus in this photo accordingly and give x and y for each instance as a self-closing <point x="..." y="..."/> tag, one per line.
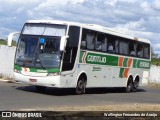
<point x="72" y="55"/>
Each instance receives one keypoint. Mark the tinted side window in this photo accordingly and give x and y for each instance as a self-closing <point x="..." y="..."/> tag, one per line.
<point x="101" y="44"/>
<point x="88" y="39"/>
<point x="147" y="51"/>
<point x="71" y="48"/>
<point x="92" y="40"/>
<point x="98" y="41"/>
<point x="123" y="47"/>
<point x="132" y="48"/>
<point x="140" y="52"/>
<point x="111" y="44"/>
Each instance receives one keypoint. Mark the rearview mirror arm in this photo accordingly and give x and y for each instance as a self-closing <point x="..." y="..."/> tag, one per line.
<point x="10" y="38"/>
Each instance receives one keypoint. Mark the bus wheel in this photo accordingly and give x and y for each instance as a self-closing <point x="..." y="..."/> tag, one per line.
<point x="135" y="86"/>
<point x="129" y="87"/>
<point x="134" y="89"/>
<point x="81" y="86"/>
<point x="40" y="88"/>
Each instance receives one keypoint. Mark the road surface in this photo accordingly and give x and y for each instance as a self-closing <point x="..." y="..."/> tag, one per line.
<point x="15" y="96"/>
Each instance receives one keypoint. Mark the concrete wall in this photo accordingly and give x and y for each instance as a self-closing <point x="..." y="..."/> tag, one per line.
<point x="7" y="59"/>
<point x="155" y="74"/>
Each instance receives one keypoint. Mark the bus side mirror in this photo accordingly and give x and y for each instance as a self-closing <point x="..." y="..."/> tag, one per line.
<point x="63" y="42"/>
<point x="10" y="38"/>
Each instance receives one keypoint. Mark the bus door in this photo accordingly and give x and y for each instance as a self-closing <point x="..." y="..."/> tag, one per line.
<point x="70" y="54"/>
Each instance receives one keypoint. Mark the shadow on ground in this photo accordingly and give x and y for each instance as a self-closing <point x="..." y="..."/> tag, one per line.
<point x="65" y="92"/>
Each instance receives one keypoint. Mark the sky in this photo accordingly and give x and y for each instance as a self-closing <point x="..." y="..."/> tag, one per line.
<point x="139" y="18"/>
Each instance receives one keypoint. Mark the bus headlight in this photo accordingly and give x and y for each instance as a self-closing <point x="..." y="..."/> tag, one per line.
<point x="17" y="71"/>
<point x="53" y="74"/>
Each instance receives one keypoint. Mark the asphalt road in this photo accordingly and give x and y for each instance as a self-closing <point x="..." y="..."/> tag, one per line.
<point x="15" y="96"/>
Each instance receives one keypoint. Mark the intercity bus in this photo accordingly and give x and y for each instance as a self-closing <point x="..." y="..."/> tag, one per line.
<point x="64" y="54"/>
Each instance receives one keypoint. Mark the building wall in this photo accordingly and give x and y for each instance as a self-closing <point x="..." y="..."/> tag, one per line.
<point x="7" y="59"/>
<point x="154" y="74"/>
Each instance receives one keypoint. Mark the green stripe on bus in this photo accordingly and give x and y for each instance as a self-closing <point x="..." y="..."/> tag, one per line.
<point x="53" y="70"/>
<point x="121" y="72"/>
<point x="125" y="62"/>
<point x="17" y="67"/>
<point x="143" y="64"/>
<point x="101" y="59"/>
<point x="135" y="63"/>
<point x="93" y="58"/>
<point x="81" y="55"/>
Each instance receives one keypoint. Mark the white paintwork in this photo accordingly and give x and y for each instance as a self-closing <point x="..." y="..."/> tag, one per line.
<point x="48" y="81"/>
<point x="63" y="43"/>
<point x="89" y="26"/>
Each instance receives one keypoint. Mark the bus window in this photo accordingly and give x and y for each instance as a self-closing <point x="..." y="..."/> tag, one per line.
<point x="71" y="48"/>
<point x="104" y="44"/>
<point x="88" y="39"/>
<point x="50" y="46"/>
<point x="132" y="49"/>
<point x="146" y="51"/>
<point x="140" y="50"/>
<point x="99" y="42"/>
<point x="123" y="47"/>
<point x="110" y="47"/>
<point x="110" y="43"/>
<point x="117" y="46"/>
<point x="83" y="41"/>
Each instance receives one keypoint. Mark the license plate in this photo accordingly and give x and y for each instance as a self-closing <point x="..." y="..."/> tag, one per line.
<point x="33" y="80"/>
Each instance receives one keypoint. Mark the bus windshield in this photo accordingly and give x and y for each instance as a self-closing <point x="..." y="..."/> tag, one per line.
<point x="40" y="48"/>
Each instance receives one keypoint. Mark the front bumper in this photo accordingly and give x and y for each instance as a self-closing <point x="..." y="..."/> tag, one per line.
<point x="48" y="81"/>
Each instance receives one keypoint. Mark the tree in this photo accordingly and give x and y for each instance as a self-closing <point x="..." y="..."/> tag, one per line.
<point x="4" y="42"/>
<point x="153" y="54"/>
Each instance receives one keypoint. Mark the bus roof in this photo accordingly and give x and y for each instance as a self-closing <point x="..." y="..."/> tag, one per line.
<point x="90" y="26"/>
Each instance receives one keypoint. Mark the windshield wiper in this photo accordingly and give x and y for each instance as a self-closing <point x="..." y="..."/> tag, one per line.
<point x="37" y="59"/>
<point x="41" y="64"/>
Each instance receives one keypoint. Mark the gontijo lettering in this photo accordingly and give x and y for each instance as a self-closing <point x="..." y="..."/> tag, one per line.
<point x="98" y="59"/>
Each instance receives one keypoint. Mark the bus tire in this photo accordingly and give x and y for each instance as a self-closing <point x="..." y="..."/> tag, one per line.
<point x="129" y="87"/>
<point x="81" y="86"/>
<point x="40" y="88"/>
<point x="136" y="84"/>
<point x="134" y="87"/>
